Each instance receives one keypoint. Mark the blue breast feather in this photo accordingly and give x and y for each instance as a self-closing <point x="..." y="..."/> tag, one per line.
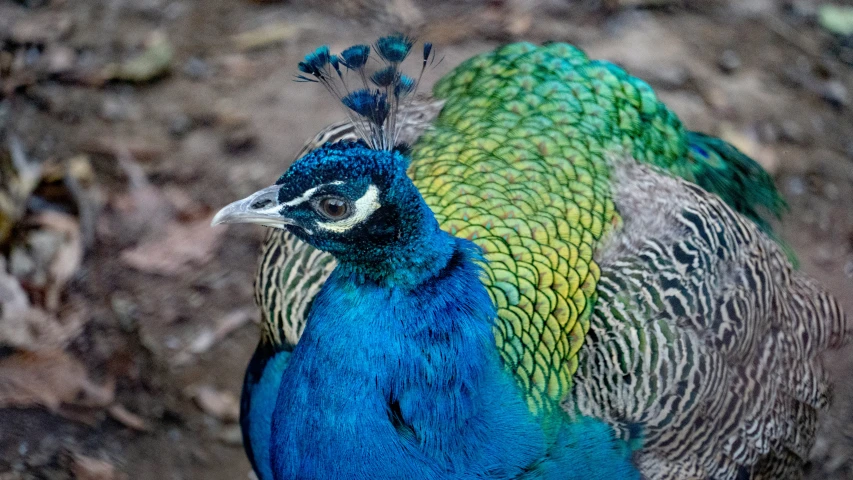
<point x="260" y="391"/>
<point x="392" y="382"/>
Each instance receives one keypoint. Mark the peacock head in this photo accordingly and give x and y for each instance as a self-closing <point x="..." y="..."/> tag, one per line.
<point x="345" y="198"/>
<point x="353" y="199"/>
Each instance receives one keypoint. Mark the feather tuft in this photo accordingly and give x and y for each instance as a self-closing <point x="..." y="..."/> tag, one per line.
<point x="385" y="77"/>
<point x="394" y="48"/>
<point x="355" y="57"/>
<point x="317" y="61"/>
<point x="404" y="86"/>
<point x="336" y="64"/>
<point x="372" y="105"/>
<point x="372" y="110"/>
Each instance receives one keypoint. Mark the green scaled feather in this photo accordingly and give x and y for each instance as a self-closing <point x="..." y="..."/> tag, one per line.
<point x="720" y="168"/>
<point x="519" y="162"/>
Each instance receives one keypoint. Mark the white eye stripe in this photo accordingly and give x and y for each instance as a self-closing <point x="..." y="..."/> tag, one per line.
<point x="364" y="207"/>
<point x="307" y="195"/>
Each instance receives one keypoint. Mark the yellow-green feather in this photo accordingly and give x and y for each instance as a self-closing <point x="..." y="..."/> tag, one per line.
<point x="518" y="161"/>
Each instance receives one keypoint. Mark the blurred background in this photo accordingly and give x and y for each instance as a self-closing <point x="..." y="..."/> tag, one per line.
<point x="126" y="321"/>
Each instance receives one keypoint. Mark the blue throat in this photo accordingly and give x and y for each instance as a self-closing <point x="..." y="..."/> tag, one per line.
<point x="395" y="382"/>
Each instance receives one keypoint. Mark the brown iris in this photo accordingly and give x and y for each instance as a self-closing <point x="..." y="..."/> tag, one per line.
<point x="334" y="208"/>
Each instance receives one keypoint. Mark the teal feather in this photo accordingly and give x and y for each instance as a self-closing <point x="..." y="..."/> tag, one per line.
<point x="720" y="168"/>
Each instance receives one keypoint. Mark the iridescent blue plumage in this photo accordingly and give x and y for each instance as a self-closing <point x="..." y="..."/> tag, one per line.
<point x="384" y="77"/>
<point x="394" y="48"/>
<point x="316" y="62"/>
<point x="372" y="105"/>
<point x="355" y="57"/>
<point x="621" y="329"/>
<point x="260" y="391"/>
<point x="376" y="109"/>
<point x="404" y="86"/>
<point x="396" y="374"/>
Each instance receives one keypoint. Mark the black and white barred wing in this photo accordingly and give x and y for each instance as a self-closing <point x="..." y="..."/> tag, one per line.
<point x="705" y="340"/>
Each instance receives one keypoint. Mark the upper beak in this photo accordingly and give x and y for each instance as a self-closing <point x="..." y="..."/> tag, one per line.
<point x="260" y="207"/>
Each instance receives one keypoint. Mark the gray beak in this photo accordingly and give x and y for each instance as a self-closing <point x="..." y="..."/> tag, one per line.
<point x="260" y="207"/>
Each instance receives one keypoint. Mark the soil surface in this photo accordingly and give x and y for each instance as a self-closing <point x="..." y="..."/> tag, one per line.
<point x="165" y="110"/>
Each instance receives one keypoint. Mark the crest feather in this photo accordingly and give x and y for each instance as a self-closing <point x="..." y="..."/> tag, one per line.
<point x="374" y="106"/>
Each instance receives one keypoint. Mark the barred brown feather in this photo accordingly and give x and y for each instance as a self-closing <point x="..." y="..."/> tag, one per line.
<point x="704" y="337"/>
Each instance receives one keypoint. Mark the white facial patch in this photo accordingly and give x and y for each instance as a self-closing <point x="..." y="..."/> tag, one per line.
<point x="364" y="207"/>
<point x="306" y="195"/>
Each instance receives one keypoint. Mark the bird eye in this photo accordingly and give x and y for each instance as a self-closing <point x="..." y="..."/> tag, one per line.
<point x="334" y="208"/>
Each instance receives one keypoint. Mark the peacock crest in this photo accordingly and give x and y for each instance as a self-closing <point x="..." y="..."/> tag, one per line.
<point x="376" y="98"/>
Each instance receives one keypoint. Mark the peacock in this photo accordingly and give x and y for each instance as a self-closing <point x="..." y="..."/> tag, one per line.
<point x="535" y="273"/>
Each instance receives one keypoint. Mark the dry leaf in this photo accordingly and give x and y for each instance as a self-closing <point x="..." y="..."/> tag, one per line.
<point x="216" y="403"/>
<point x="223" y="327"/>
<point x="19" y="176"/>
<point x="139" y="148"/>
<point x="36" y="330"/>
<point x="141" y="210"/>
<point x="48" y="379"/>
<point x="181" y="246"/>
<point x="266" y="36"/>
<point x="186" y="207"/>
<point x="231" y="435"/>
<point x="153" y="62"/>
<point x="14" y="307"/>
<point x="209" y="337"/>
<point x="30" y="328"/>
<point x="127" y="418"/>
<point x="88" y="468"/>
<point x="49" y="255"/>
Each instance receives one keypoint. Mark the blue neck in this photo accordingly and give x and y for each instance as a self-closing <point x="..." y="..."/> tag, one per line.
<point x="420" y="252"/>
<point x="392" y="382"/>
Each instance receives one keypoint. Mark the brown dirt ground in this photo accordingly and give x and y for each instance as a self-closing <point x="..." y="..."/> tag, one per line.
<point x="227" y="121"/>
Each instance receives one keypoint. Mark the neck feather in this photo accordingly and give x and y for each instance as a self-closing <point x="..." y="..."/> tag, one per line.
<point x="414" y="254"/>
<point x="409" y="374"/>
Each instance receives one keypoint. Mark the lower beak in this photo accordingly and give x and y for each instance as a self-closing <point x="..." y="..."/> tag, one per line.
<point x="260" y="207"/>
